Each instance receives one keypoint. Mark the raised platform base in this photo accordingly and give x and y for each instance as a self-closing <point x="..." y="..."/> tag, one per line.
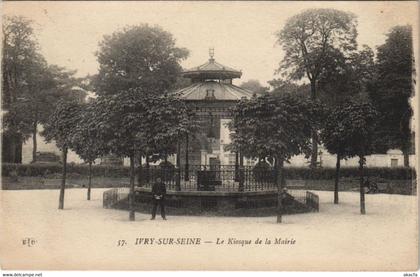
<point x="262" y="203"/>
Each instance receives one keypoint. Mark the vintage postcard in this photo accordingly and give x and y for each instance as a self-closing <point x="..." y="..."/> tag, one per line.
<point x="182" y="135"/>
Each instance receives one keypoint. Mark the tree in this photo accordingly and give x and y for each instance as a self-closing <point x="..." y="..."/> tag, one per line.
<point x="47" y="86"/>
<point x="393" y="88"/>
<point x="20" y="54"/>
<point x="281" y="86"/>
<point x="31" y="87"/>
<point x="271" y="127"/>
<point x="133" y="124"/>
<point x="181" y="82"/>
<point x="19" y="51"/>
<point x="356" y="123"/>
<point x="351" y="77"/>
<point x="138" y="57"/>
<point x="85" y="140"/>
<point x="255" y="87"/>
<point x="168" y="122"/>
<point x="59" y="128"/>
<point x="342" y="83"/>
<point x="311" y="41"/>
<point x="333" y="136"/>
<point x="121" y="120"/>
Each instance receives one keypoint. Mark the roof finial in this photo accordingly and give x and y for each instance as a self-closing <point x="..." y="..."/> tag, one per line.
<point x="211" y="53"/>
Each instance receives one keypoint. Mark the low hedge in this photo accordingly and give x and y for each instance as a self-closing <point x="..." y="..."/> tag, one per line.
<point x="295" y="173"/>
<point x="52" y="169"/>
<point x="391" y="173"/>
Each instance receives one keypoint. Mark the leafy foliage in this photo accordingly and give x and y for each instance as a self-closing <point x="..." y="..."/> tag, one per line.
<point x="255" y="87"/>
<point x="393" y="88"/>
<point x="135" y="123"/>
<point x="168" y="121"/>
<point x="313" y="39"/>
<point x="349" y="130"/>
<point x="348" y="78"/>
<point x="138" y="57"/>
<point x="314" y="42"/>
<point x="31" y="87"/>
<point x="271" y="127"/>
<point x="120" y="122"/>
<point x="281" y="86"/>
<point x="333" y="132"/>
<point x="84" y="138"/>
<point x="62" y="124"/>
<point x="20" y="55"/>
<point x="60" y="127"/>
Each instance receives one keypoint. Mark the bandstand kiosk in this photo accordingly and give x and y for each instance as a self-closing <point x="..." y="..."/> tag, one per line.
<point x="210" y="97"/>
<point x="207" y="178"/>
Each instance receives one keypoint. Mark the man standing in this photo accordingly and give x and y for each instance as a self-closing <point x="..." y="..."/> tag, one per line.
<point x="158" y="194"/>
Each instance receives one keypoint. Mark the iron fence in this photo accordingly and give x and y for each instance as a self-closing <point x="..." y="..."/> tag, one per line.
<point x="113" y="196"/>
<point x="312" y="201"/>
<point x="210" y="178"/>
<point x="292" y="200"/>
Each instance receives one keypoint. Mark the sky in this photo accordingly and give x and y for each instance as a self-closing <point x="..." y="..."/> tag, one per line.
<point x="242" y="33"/>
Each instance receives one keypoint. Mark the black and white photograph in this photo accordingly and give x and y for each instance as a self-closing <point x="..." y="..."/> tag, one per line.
<point x="209" y="136"/>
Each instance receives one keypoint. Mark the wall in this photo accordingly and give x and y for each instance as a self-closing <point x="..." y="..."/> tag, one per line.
<point x="43" y="146"/>
<point x="377" y="160"/>
<point x="328" y="160"/>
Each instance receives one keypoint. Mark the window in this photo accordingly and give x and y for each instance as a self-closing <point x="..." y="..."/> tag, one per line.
<point x="394" y="162"/>
<point x="232" y="159"/>
<point x="249" y="162"/>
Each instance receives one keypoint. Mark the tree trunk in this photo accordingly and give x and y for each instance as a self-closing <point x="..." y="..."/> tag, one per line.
<point x="362" y="187"/>
<point x="241" y="172"/>
<point x="5" y="148"/>
<point x="178" y="166"/>
<point x="406" y="157"/>
<point x="337" y="178"/>
<point x="63" y="180"/>
<point x="18" y="150"/>
<point x="314" y="152"/>
<point x="90" y="181"/>
<point x="12" y="150"/>
<point x="278" y="178"/>
<point x="313" y="89"/>
<point x="187" y="166"/>
<point x="34" y="142"/>
<point x="314" y="135"/>
<point x="236" y="166"/>
<point x="131" y="194"/>
<point x="140" y="172"/>
<point x="147" y="169"/>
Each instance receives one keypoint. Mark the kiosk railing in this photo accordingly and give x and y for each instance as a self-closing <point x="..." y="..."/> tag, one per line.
<point x="210" y="178"/>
